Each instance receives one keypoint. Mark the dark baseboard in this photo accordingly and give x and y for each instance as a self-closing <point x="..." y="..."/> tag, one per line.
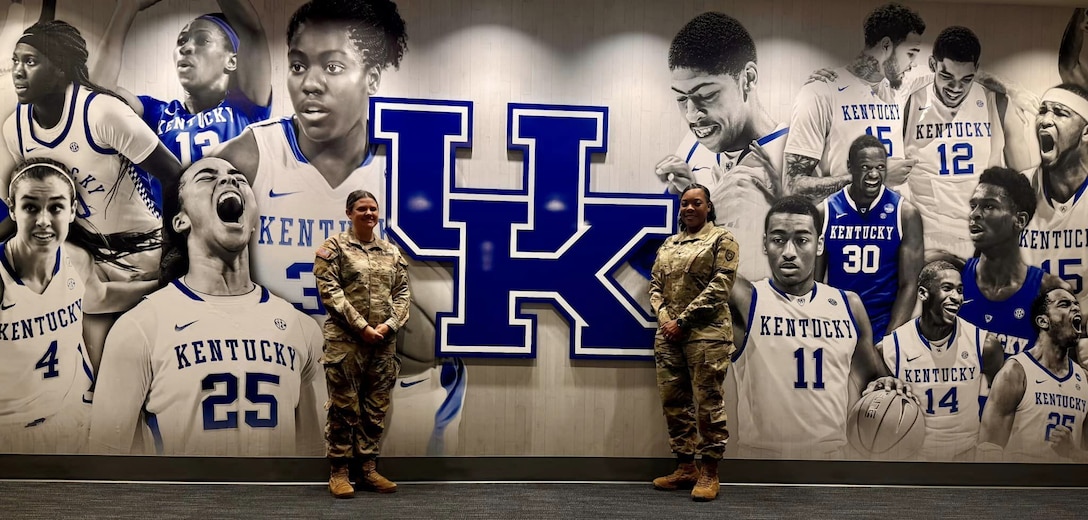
<point x="445" y="469"/>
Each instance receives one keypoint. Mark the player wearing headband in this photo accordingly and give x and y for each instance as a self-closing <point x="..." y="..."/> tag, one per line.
<point x="45" y="287"/>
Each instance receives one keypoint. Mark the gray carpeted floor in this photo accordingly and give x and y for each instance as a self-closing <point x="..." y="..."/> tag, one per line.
<point x="527" y="501"/>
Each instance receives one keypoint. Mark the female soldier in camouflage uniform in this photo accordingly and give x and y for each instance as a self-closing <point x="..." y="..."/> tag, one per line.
<point x="689" y="290"/>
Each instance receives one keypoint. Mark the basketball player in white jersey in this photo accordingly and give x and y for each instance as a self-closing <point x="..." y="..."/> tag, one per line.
<point x="734" y="147"/>
<point x="807" y="347"/>
<point x="955" y="128"/>
<point x="303" y="167"/>
<point x="212" y="363"/>
<point x="827" y="117"/>
<point x="1039" y="401"/>
<point x="948" y="363"/>
<point x="46" y="284"/>
<point x="1056" y="238"/>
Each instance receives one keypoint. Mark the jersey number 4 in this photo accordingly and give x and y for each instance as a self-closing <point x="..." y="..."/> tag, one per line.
<point x="49" y="361"/>
<point x="253" y="418"/>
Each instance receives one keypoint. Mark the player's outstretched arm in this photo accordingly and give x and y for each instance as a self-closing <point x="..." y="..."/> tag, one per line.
<point x="1071" y="59"/>
<point x="116" y="126"/>
<point x="1007" y="391"/>
<point x="911" y="258"/>
<point x="242" y="152"/>
<point x="107" y="297"/>
<point x="254" y="71"/>
<point x="106" y="66"/>
<point x="801" y="179"/>
<point x="993" y="357"/>
<point x="121" y="384"/>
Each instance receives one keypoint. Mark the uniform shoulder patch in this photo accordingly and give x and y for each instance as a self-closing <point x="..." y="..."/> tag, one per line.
<point x="325" y="253"/>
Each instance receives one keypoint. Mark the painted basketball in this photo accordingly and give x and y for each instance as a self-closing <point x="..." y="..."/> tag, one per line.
<point x="886" y="425"/>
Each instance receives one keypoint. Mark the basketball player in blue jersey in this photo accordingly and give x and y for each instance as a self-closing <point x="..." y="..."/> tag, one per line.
<point x="1039" y="401"/>
<point x="734" y="147"/>
<point x="957" y="125"/>
<point x="807" y="347"/>
<point x="212" y="363"/>
<point x="303" y="167"/>
<point x="827" y="117"/>
<point x="998" y="286"/>
<point x="1056" y="238"/>
<point x="948" y="362"/>
<point x="46" y="284"/>
<point x="223" y="63"/>
<point x="872" y="239"/>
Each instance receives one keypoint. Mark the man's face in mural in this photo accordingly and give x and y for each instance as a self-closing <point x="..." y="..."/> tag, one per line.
<point x="792" y="245"/>
<point x="203" y="55"/>
<point x="34" y="75"/>
<point x="329" y="82"/>
<point x="218" y="207"/>
<point x="902" y="59"/>
<point x="993" y="219"/>
<point x="867" y="173"/>
<point x="943" y="297"/>
<point x="1060" y="131"/>
<point x="1064" y="320"/>
<point x="712" y="106"/>
<point x="952" y="80"/>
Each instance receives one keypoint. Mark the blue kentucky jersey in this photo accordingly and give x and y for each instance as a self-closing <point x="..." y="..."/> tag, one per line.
<point x="1010" y="319"/>
<point x="862" y="249"/>
<point x="189" y="136"/>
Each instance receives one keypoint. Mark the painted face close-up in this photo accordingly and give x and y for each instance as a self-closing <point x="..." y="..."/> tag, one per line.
<point x="217" y="205"/>
<point x="792" y="245"/>
<point x="713" y="108"/>
<point x="364" y="214"/>
<point x="868" y="172"/>
<point x="329" y="83"/>
<point x="991" y="220"/>
<point x="203" y="55"/>
<point x="1060" y="131"/>
<point x="944" y="297"/>
<point x="43" y="212"/>
<point x="952" y="80"/>
<point x="33" y="75"/>
<point x="902" y="59"/>
<point x="694" y="209"/>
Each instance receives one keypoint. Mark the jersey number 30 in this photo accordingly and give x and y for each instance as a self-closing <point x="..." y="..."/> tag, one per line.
<point x="253" y="418"/>
<point x="861" y="259"/>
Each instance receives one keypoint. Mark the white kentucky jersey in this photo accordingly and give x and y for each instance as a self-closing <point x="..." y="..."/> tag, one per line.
<point x="793" y="370"/>
<point x="953" y="147"/>
<point x="213" y="375"/>
<point x="299" y="211"/>
<point x="828" y="116"/>
<point x="1056" y="238"/>
<point x="99" y="138"/>
<point x="947" y="378"/>
<point x="44" y="362"/>
<point x="1049" y="401"/>
<point x="733" y="179"/>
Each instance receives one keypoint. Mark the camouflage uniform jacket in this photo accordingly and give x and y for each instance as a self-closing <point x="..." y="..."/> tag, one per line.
<point x="691" y="280"/>
<point x="360" y="284"/>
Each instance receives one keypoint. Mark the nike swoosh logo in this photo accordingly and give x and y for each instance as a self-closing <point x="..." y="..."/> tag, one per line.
<point x="180" y="328"/>
<point x="1040" y="381"/>
<point x="924" y="108"/>
<point x="843" y="88"/>
<point x="913" y="358"/>
<point x="413" y="383"/>
<point x="28" y="150"/>
<point x="840" y="215"/>
<point x="700" y="168"/>
<point x="272" y="194"/>
<point x="6" y="307"/>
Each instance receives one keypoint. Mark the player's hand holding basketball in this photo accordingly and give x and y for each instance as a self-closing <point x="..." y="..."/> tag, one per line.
<point x="675" y="172"/>
<point x="890" y="383"/>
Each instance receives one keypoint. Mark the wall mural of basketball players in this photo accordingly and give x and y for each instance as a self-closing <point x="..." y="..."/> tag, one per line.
<point x="1023" y="222"/>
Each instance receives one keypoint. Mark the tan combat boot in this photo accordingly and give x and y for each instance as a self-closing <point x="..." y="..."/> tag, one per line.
<point x="685" y="476"/>
<point x="373" y="480"/>
<point x="707" y="487"/>
<point x="339" y="483"/>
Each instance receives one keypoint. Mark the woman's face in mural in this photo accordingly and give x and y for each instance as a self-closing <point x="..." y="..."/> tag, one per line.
<point x="217" y="204"/>
<point x="712" y="106"/>
<point x="329" y="82"/>
<point x="203" y="55"/>
<point x="34" y="75"/>
<point x="1060" y="131"/>
<point x="43" y="211"/>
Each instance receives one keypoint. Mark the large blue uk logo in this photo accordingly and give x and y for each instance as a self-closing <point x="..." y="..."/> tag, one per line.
<point x="555" y="240"/>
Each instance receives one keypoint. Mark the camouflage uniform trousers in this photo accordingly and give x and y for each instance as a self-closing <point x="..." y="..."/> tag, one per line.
<point x="360" y="393"/>
<point x="690" y="375"/>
